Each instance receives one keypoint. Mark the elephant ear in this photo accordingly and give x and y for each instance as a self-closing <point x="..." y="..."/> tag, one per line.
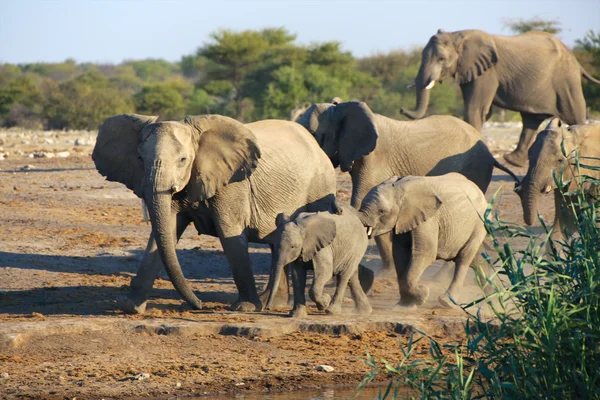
<point x="115" y="153"/>
<point x="227" y="152"/>
<point x="417" y="203"/>
<point x="319" y="232"/>
<point x="477" y="53"/>
<point x="357" y="132"/>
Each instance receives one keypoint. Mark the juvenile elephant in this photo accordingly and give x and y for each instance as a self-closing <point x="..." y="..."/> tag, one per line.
<point x="230" y="180"/>
<point x="432" y="218"/>
<point x="533" y="73"/>
<point x="546" y="156"/>
<point x="373" y="148"/>
<point x="332" y="245"/>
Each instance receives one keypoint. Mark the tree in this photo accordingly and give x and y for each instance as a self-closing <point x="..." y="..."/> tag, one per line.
<point x="521" y="25"/>
<point x="587" y="51"/>
<point x="163" y="99"/>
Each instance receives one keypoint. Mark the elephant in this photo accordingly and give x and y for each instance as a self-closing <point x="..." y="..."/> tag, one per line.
<point x="432" y="218"/>
<point x="229" y="179"/>
<point x="533" y="73"/>
<point x="373" y="148"/>
<point x="545" y="156"/>
<point x="330" y="244"/>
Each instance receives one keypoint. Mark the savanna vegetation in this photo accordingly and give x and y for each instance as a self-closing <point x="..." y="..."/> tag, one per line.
<point x="249" y="75"/>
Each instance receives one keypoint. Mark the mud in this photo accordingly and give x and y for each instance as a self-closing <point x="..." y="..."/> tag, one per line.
<point x="71" y="241"/>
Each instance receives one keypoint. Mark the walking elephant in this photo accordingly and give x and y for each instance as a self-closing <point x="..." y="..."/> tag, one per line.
<point x="374" y="148"/>
<point x="533" y="73"/>
<point x="545" y="156"/>
<point x="230" y="180"/>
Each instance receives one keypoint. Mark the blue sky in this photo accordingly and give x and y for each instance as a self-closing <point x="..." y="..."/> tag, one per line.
<point x="112" y="31"/>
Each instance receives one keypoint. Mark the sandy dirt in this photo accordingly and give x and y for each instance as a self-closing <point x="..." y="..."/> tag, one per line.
<point x="70" y="243"/>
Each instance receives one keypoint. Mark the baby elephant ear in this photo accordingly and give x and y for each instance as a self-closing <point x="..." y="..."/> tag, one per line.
<point x="417" y="203"/>
<point x="319" y="232"/>
<point x="227" y="152"/>
<point x="281" y="219"/>
<point x="115" y="153"/>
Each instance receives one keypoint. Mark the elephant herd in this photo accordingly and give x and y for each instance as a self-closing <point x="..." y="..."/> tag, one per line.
<point x="417" y="186"/>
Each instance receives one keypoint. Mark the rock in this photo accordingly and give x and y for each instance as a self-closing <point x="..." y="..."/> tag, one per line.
<point x="141" y="376"/>
<point x="4" y="375"/>
<point x="49" y="141"/>
<point x="83" y="142"/>
<point x="19" y="152"/>
<point x="325" y="368"/>
<point x="178" y="385"/>
<point x="62" y="154"/>
<point x="27" y="167"/>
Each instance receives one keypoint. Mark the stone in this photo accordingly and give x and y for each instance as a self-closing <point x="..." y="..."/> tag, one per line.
<point x="141" y="376"/>
<point x="62" y="154"/>
<point x="4" y="375"/>
<point x="325" y="368"/>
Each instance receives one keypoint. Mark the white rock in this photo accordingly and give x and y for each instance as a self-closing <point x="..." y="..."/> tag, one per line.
<point x="141" y="376"/>
<point x="4" y="375"/>
<point x="19" y="152"/>
<point x="49" y="141"/>
<point x="325" y="368"/>
<point x="27" y="167"/>
<point x="63" y="154"/>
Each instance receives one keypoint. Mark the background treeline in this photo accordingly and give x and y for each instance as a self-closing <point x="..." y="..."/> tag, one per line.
<point x="249" y="75"/>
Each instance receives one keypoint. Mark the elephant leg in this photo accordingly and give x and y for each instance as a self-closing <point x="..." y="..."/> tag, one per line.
<point x="360" y="298"/>
<point x="478" y="96"/>
<point x="323" y="271"/>
<point x="423" y="254"/>
<point x="531" y="123"/>
<point x="463" y="261"/>
<point x="282" y="297"/>
<point x="384" y="245"/>
<point x="366" y="276"/>
<point x="299" y="284"/>
<point x="335" y="307"/>
<point x="236" y="251"/>
<point x="141" y="284"/>
<point x="402" y="247"/>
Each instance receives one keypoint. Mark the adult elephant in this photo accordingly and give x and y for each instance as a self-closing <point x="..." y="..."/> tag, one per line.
<point x="551" y="152"/>
<point x="373" y="148"/>
<point x="230" y="180"/>
<point x="533" y="73"/>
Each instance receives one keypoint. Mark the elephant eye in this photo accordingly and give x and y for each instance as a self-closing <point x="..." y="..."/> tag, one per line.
<point x="182" y="160"/>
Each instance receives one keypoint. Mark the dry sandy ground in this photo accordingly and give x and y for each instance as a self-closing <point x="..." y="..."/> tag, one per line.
<point x="70" y="242"/>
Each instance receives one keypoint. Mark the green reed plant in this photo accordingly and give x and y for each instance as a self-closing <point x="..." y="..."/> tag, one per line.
<point x="543" y="339"/>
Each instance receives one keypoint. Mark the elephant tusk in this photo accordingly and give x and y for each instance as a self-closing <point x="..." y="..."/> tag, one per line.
<point x="431" y="84"/>
<point x="145" y="211"/>
<point x="517" y="189"/>
<point x="369" y="231"/>
<point x="547" y="189"/>
<point x="412" y="85"/>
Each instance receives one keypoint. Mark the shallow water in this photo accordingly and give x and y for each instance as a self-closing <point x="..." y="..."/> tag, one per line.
<point x="370" y="393"/>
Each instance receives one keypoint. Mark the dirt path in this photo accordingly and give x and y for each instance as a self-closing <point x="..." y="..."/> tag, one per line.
<point x="70" y="242"/>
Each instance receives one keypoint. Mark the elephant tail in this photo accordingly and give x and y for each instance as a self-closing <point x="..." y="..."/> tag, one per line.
<point x="508" y="171"/>
<point x="589" y="77"/>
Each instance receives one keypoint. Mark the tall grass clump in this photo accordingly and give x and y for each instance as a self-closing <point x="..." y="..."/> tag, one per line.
<point x="543" y="339"/>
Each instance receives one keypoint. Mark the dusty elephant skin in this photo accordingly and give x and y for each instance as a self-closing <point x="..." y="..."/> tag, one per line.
<point x="230" y="180"/>
<point x="331" y="245"/>
<point x="546" y="157"/>
<point x="431" y="218"/>
<point x="373" y="148"/>
<point x="533" y="73"/>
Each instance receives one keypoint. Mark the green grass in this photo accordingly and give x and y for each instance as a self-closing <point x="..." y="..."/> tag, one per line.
<point x="543" y="341"/>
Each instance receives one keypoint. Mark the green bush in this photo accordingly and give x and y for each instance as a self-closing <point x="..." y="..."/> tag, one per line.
<point x="544" y="339"/>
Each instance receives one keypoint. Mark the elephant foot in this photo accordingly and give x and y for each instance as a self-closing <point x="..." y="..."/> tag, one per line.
<point x="246" y="306"/>
<point x="446" y="302"/>
<point x="364" y="310"/>
<point x="414" y="297"/>
<point x="323" y="302"/>
<point x="366" y="276"/>
<point x="128" y="304"/>
<point x="334" y="310"/>
<point x="516" y="159"/>
<point x="299" y="311"/>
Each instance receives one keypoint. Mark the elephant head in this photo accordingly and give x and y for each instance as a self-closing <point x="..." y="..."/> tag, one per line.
<point x="400" y="204"/>
<point x="300" y="238"/>
<point x="194" y="157"/>
<point x="462" y="55"/>
<point x="549" y="153"/>
<point x="345" y="131"/>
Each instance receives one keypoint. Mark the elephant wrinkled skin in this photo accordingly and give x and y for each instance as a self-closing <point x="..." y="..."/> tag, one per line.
<point x="533" y="73"/>
<point x="431" y="218"/>
<point x="230" y="180"/>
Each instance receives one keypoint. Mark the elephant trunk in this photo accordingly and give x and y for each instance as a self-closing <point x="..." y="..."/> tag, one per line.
<point x="278" y="269"/>
<point x="163" y="224"/>
<point x="531" y="188"/>
<point x="422" y="103"/>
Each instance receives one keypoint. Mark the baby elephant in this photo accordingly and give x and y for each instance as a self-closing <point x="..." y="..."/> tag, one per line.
<point x="333" y="245"/>
<point x="433" y="217"/>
